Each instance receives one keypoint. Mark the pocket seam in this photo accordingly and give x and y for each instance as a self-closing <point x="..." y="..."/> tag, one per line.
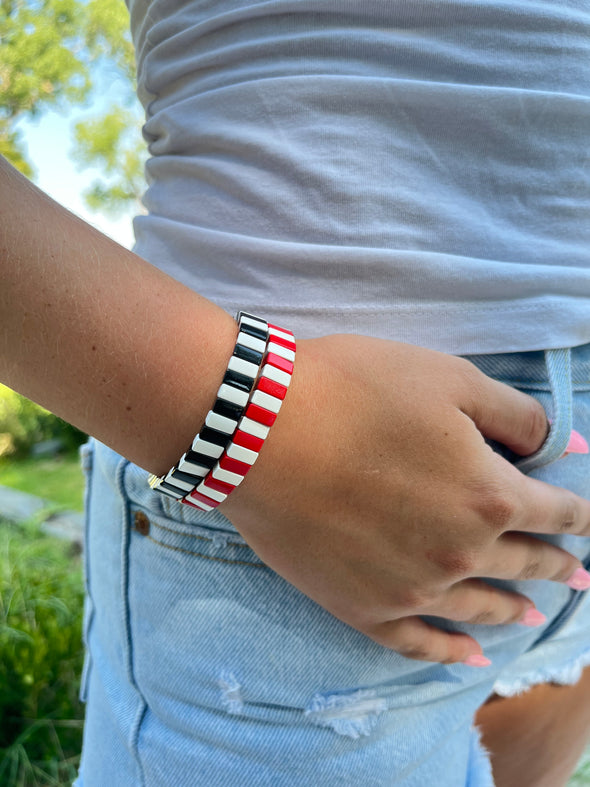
<point x="191" y="535"/>
<point x="205" y="557"/>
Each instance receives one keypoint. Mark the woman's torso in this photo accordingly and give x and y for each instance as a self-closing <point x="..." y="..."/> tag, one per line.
<point x="416" y="171"/>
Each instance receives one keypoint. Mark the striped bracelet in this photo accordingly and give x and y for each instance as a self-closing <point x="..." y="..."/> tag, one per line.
<point x="243" y="449"/>
<point x="247" y="403"/>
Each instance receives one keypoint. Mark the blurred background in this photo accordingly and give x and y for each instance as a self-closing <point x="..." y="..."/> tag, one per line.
<point x="69" y="120"/>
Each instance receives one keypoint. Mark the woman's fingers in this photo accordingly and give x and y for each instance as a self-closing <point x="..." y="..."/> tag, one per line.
<point x="520" y="557"/>
<point x="475" y="601"/>
<point x="544" y="508"/>
<point x="414" y="638"/>
<point x="471" y="601"/>
<point x="507" y="500"/>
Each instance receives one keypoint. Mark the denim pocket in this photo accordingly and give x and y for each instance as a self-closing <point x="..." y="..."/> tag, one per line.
<point x="192" y="540"/>
<point x="559" y="373"/>
<point x="547" y="377"/>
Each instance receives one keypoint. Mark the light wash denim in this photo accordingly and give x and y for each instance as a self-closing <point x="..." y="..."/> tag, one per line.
<point x="206" y="668"/>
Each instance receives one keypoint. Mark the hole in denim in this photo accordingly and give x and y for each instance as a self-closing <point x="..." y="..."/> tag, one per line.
<point x="231" y="693"/>
<point x="351" y="715"/>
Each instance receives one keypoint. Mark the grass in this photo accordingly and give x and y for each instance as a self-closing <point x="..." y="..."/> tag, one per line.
<point x="41" y="600"/>
<point x="581" y="778"/>
<point x="58" y="479"/>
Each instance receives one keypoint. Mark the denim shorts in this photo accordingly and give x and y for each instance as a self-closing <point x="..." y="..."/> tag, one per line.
<point x="204" y="667"/>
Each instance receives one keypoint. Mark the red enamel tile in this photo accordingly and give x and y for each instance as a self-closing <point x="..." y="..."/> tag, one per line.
<point x="220" y="486"/>
<point x="233" y="465"/>
<point x="280" y="363"/>
<point x="271" y="387"/>
<point x="198" y="496"/>
<point x="288" y="343"/>
<point x="247" y="440"/>
<point x="257" y="413"/>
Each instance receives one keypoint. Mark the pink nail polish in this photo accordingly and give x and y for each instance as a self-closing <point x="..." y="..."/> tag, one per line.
<point x="476" y="660"/>
<point x="579" y="580"/>
<point x="532" y="617"/>
<point x="577" y="444"/>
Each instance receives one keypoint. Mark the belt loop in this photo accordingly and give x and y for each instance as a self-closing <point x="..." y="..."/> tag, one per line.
<point x="559" y="371"/>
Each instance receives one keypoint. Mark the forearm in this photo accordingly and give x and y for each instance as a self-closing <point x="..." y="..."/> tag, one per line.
<point x="100" y="337"/>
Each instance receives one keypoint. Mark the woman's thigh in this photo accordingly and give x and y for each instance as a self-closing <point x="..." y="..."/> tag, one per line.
<point x="205" y="667"/>
<point x="536" y="739"/>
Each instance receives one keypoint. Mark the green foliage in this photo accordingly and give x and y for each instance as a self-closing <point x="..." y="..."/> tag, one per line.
<point x="11" y="149"/>
<point x="59" y="479"/>
<point x="41" y="64"/>
<point x="107" y="32"/>
<point x="581" y="777"/>
<point x="112" y="143"/>
<point x="23" y="423"/>
<point x="57" y="53"/>
<point x="41" y="602"/>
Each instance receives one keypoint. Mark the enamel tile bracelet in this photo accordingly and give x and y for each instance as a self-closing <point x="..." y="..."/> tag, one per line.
<point x="248" y="401"/>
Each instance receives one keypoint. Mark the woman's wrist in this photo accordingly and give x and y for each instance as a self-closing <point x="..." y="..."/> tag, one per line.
<point x="248" y="401"/>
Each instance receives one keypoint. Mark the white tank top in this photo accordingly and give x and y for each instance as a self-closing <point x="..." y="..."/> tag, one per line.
<point x="417" y="171"/>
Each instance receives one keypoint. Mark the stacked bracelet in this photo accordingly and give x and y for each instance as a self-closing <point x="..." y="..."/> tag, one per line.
<point x="250" y="396"/>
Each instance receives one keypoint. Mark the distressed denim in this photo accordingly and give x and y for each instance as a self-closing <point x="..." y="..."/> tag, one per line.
<point x="206" y="668"/>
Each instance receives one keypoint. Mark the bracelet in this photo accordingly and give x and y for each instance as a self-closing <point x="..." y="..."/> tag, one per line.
<point x="244" y="447"/>
<point x="257" y="377"/>
<point x="222" y="419"/>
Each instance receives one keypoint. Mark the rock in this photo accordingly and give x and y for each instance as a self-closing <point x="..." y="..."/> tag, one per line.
<point x="16" y="506"/>
<point x="47" y="448"/>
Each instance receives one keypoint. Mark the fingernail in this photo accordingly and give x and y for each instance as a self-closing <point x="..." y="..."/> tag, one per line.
<point x="476" y="660"/>
<point x="577" y="444"/>
<point x="579" y="580"/>
<point x="532" y="617"/>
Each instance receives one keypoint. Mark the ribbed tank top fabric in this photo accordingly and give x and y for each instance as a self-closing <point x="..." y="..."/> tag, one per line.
<point x="410" y="170"/>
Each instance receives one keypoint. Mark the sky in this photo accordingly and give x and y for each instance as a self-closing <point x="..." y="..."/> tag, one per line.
<point x="48" y="141"/>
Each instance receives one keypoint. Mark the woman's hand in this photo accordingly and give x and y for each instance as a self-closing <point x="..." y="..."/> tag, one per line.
<point x="377" y="496"/>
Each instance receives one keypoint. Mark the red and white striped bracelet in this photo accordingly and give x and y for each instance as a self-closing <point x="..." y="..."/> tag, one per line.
<point x="261" y="411"/>
<point x="251" y="394"/>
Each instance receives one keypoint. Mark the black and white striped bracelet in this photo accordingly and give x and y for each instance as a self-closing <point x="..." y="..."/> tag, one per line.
<point x="243" y="398"/>
<point x="265" y="402"/>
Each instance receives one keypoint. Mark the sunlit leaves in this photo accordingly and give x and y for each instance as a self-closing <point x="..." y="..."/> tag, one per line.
<point x="55" y="53"/>
<point x="42" y="57"/>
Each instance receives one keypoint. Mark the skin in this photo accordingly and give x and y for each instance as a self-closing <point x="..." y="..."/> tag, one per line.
<point x="531" y="747"/>
<point x="106" y="341"/>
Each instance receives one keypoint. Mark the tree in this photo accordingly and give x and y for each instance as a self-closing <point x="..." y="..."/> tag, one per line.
<point x="112" y="140"/>
<point x="50" y="54"/>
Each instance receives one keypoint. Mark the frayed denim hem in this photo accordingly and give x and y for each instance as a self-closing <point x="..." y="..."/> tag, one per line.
<point x="566" y="674"/>
<point x="479" y="773"/>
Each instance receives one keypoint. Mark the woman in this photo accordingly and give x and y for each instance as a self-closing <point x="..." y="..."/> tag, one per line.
<point x="413" y="179"/>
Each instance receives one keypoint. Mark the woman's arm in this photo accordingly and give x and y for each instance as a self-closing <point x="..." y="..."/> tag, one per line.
<point x="99" y="336"/>
<point x="375" y="493"/>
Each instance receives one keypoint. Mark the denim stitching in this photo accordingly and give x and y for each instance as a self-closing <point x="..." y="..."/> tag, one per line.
<point x="87" y="461"/>
<point x="195" y="535"/>
<point x="539" y="385"/>
<point x="206" y="557"/>
<point x="135" y="734"/>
